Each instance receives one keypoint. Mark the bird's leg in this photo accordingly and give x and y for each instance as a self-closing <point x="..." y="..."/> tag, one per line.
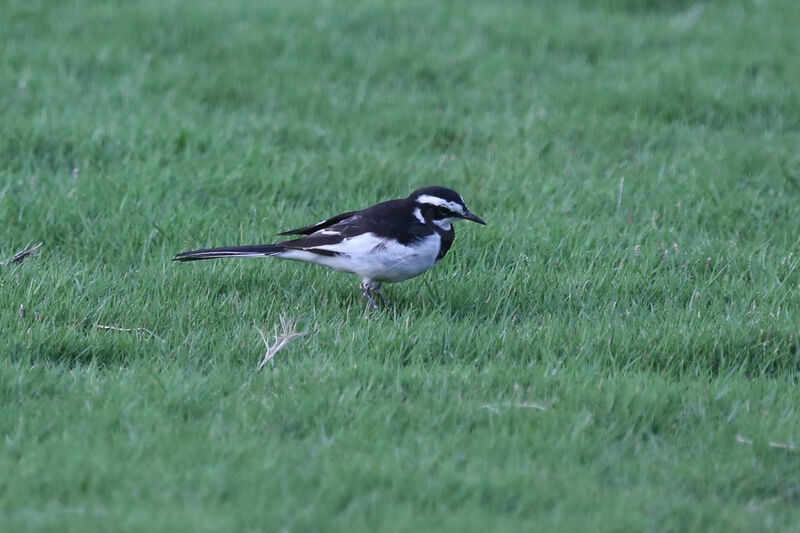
<point x="366" y="290"/>
<point x="376" y="291"/>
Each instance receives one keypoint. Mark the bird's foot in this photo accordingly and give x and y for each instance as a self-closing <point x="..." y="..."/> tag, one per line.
<point x="370" y="289"/>
<point x="370" y="299"/>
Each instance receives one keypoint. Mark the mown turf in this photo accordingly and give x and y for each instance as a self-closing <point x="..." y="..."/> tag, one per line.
<point x="617" y="350"/>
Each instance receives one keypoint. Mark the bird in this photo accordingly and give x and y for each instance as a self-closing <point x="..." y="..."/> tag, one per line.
<point x="386" y="243"/>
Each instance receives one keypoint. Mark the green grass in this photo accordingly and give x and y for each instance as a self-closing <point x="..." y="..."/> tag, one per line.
<point x="616" y="351"/>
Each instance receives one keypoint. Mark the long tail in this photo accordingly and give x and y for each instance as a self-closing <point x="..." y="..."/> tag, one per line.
<point x="256" y="250"/>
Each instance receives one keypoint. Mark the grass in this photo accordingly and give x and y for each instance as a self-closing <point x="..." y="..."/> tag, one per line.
<point x="617" y="350"/>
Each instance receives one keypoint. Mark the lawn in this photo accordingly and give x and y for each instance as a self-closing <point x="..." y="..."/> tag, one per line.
<point x="617" y="350"/>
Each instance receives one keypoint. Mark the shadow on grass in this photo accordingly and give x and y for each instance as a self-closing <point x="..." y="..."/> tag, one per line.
<point x="73" y="350"/>
<point x="768" y="354"/>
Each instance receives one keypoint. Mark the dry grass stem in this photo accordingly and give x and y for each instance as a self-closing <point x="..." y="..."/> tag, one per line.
<point x="287" y="334"/>
<point x="522" y="405"/>
<point x="128" y="330"/>
<point x="772" y="444"/>
<point x="23" y="254"/>
<point x="531" y="405"/>
<point x="685" y="20"/>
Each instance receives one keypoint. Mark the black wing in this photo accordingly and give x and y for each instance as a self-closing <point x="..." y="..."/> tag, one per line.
<point x="308" y="230"/>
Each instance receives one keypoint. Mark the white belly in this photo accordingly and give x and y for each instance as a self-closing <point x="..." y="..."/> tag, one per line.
<point x="371" y="257"/>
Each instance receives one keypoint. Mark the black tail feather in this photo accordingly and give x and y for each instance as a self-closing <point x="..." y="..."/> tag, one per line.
<point x="255" y="250"/>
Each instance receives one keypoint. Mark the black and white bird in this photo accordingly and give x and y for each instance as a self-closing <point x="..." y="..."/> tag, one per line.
<point x="388" y="242"/>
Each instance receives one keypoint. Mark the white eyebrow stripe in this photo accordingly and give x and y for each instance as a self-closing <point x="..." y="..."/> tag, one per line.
<point x="431" y="200"/>
<point x="441" y="202"/>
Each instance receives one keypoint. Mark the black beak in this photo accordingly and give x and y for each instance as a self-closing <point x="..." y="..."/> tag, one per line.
<point x="474" y="218"/>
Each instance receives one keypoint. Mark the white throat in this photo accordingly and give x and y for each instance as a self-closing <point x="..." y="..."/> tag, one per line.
<point x="444" y="224"/>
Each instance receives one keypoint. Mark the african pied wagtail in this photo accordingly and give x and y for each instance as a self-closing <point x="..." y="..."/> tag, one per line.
<point x="388" y="242"/>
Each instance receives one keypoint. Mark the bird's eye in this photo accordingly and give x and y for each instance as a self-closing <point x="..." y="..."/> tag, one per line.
<point x="442" y="212"/>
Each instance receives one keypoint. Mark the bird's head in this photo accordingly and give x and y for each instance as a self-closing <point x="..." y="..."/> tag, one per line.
<point x="441" y="206"/>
